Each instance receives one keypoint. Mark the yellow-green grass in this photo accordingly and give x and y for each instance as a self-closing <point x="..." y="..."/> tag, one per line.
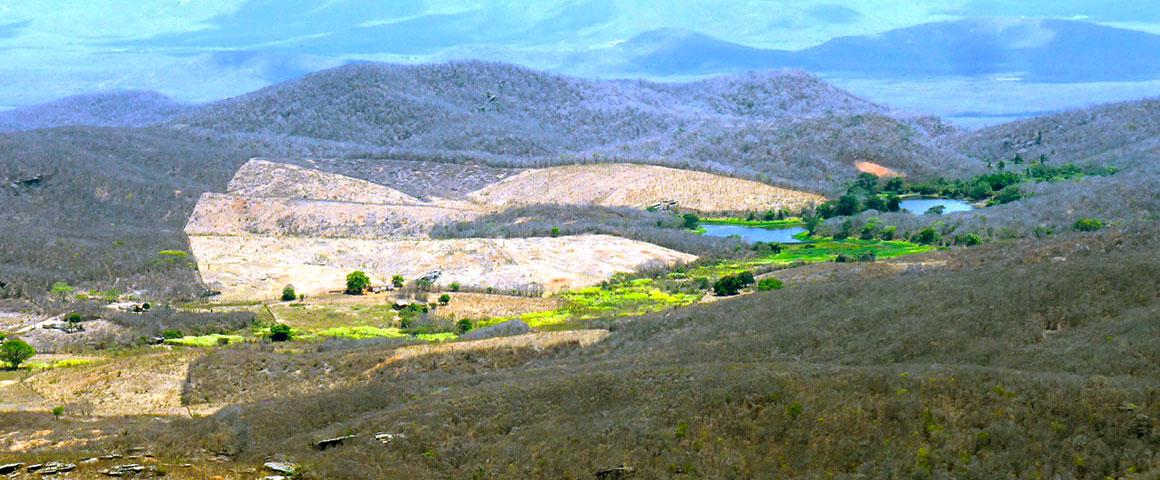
<point x="815" y="251"/>
<point x="205" y="340"/>
<point x="318" y="318"/>
<point x="51" y="364"/>
<point x="614" y="299"/>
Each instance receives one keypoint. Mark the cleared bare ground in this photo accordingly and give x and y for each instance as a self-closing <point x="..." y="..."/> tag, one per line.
<point x="281" y="224"/>
<point x="628" y="185"/>
<point x="225" y="214"/>
<point x="257" y="267"/>
<point x="262" y="178"/>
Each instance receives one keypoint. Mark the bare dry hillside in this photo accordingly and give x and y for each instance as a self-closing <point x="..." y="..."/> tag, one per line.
<point x="629" y="185"/>
<point x="226" y="214"/>
<point x="257" y="267"/>
<point x="282" y="224"/>
<point x="262" y="178"/>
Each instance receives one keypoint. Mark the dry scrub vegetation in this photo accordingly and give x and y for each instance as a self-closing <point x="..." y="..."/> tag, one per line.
<point x="1013" y="359"/>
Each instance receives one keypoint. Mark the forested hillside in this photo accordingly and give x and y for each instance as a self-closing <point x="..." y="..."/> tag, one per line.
<point x="113" y="109"/>
<point x="99" y="204"/>
<point x="779" y="127"/>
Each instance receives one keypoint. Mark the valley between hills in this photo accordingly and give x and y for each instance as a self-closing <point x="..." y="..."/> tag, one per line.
<point x="475" y="270"/>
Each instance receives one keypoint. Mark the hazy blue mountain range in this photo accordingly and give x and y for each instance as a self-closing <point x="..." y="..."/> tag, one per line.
<point x="110" y="109"/>
<point x="1047" y="51"/>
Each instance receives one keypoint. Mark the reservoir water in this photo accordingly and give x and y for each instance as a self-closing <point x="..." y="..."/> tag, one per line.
<point x="919" y="206"/>
<point x="755" y="234"/>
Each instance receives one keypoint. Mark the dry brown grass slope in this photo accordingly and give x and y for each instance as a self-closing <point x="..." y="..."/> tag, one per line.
<point x="639" y="186"/>
<point x="263" y="178"/>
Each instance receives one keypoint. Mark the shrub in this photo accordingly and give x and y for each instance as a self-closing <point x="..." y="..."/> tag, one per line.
<point x="888" y="232"/>
<point x="867" y="257"/>
<point x="454" y="286"/>
<point x="971" y="239"/>
<point x="1088" y="225"/>
<point x="463" y="326"/>
<point x="844" y="258"/>
<point x="444" y="299"/>
<point x="172" y="334"/>
<point x="767" y="284"/>
<point x="289" y="295"/>
<point x="927" y="236"/>
<point x="1008" y="195"/>
<point x="555" y="232"/>
<point x="357" y="282"/>
<point x="62" y="289"/>
<point x="936" y="210"/>
<point x="280" y="333"/>
<point x="73" y="318"/>
<point x="397" y="281"/>
<point x="14" y="352"/>
<point x="691" y="221"/>
<point x="57" y="411"/>
<point x="732" y="284"/>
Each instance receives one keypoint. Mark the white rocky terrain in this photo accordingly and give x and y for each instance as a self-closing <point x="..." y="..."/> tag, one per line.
<point x="280" y="224"/>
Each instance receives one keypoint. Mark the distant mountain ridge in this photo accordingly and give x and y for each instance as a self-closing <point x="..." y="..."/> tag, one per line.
<point x="132" y="108"/>
<point x="1057" y="51"/>
<point x="753" y="125"/>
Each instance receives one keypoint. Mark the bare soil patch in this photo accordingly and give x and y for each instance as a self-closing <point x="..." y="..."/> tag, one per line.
<point x="640" y="186"/>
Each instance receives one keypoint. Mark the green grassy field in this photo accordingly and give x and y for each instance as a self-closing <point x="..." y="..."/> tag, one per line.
<point x="811" y="251"/>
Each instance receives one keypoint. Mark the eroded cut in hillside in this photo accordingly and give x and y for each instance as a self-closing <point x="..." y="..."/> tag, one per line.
<point x="640" y="186"/>
<point x="280" y="224"/>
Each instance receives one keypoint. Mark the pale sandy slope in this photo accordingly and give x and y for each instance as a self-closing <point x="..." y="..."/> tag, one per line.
<point x="227" y="214"/>
<point x="639" y="186"/>
<point x="257" y="267"/>
<point x="263" y="178"/>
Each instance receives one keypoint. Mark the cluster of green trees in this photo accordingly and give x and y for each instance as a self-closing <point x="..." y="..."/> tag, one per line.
<point x="1000" y="185"/>
<point x="730" y="285"/>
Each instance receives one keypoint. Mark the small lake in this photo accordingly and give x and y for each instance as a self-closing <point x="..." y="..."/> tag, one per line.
<point x="754" y="234"/>
<point x="919" y="206"/>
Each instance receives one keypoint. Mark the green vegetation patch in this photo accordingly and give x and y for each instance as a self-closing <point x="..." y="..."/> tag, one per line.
<point x="65" y="363"/>
<point x="818" y="251"/>
<point x="362" y="332"/>
<point x="212" y="340"/>
<point x="620" y="297"/>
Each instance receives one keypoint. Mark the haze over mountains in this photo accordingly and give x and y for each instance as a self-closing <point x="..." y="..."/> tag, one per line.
<point x="1041" y="51"/>
<point x="948" y="58"/>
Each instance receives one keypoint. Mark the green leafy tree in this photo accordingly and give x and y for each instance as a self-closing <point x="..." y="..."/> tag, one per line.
<point x="455" y="286"/>
<point x="57" y="412"/>
<point x="280" y="333"/>
<point x="62" y="290"/>
<point x="927" y="236"/>
<point x="1088" y="225"/>
<point x="463" y="326"/>
<point x="444" y="299"/>
<point x="867" y="182"/>
<point x="691" y="221"/>
<point x="288" y="293"/>
<point x="15" y="352"/>
<point x="172" y="334"/>
<point x="895" y="185"/>
<point x="357" y="282"/>
<point x="555" y="232"/>
<point x="397" y="281"/>
<point x="847" y="205"/>
<point x="767" y="284"/>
